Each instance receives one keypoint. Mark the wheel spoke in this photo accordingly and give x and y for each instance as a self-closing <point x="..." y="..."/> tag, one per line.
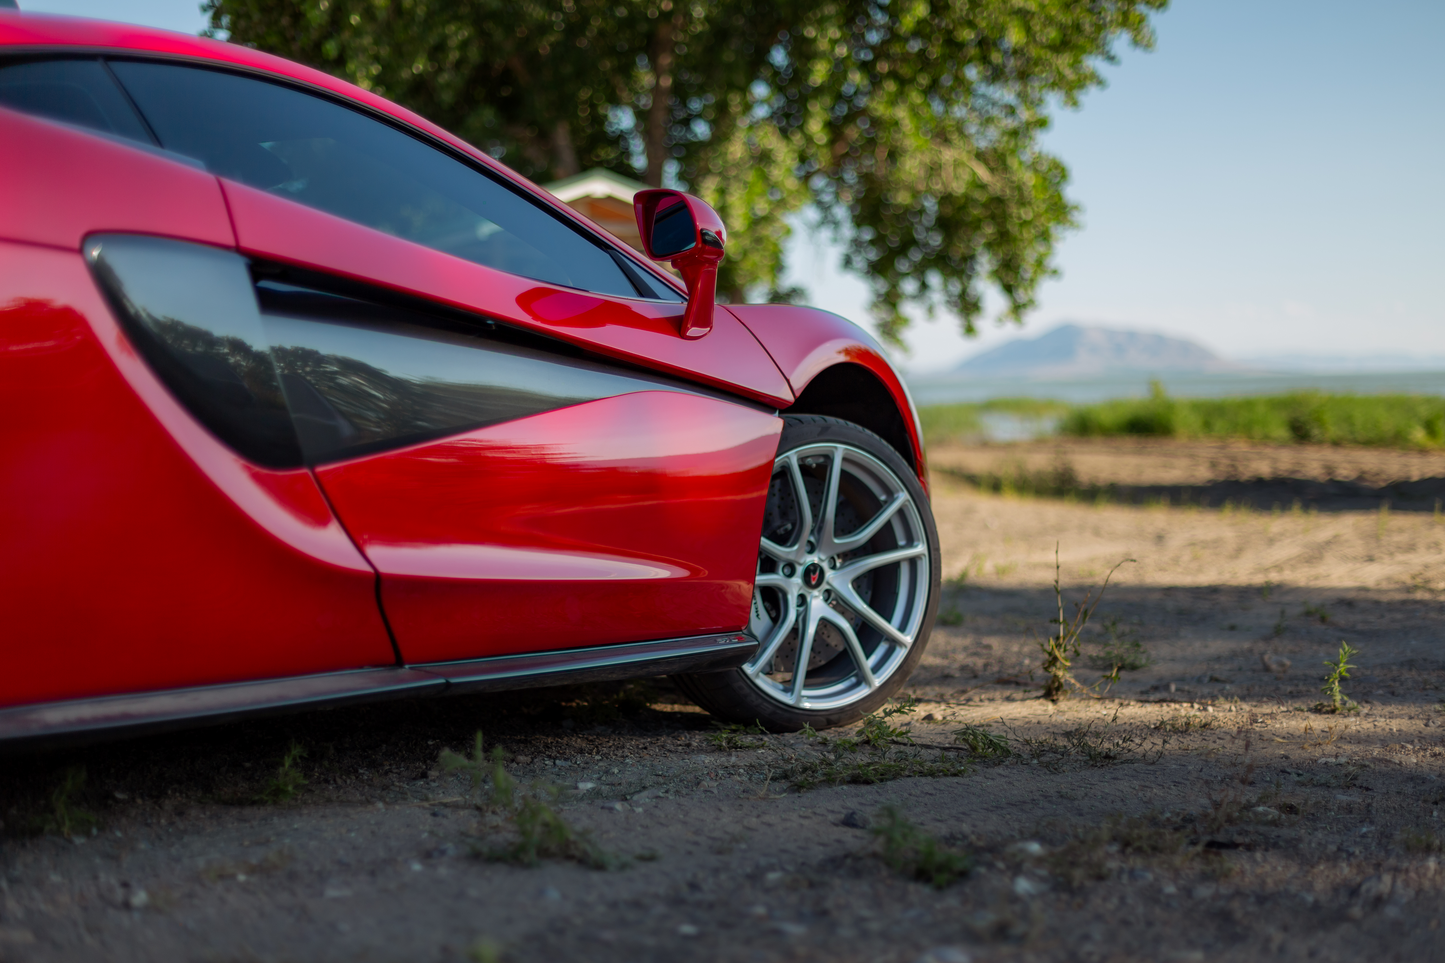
<point x="868" y="563"/>
<point x="777" y="551"/>
<point x="855" y="648"/>
<point x="830" y="502"/>
<point x="862" y="535"/>
<point x="773" y="580"/>
<point x="769" y="647"/>
<point x="805" y="510"/>
<point x="805" y="651"/>
<point x="850" y="598"/>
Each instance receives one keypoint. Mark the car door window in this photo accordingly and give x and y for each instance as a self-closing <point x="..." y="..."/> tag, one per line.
<point x="360" y="376"/>
<point x="328" y="156"/>
<point x="79" y="92"/>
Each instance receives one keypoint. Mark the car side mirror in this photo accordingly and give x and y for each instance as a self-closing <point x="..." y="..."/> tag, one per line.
<point x="684" y="230"/>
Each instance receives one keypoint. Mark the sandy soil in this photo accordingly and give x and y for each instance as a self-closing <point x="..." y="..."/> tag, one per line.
<point x="1197" y="811"/>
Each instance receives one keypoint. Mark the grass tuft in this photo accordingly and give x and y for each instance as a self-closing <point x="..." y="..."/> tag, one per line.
<point x="1093" y="744"/>
<point x="736" y="736"/>
<point x="66" y="816"/>
<point x="909" y="850"/>
<point x="1422" y="841"/>
<point x="539" y="832"/>
<point x="867" y="772"/>
<point x="982" y="743"/>
<point x="288" y="781"/>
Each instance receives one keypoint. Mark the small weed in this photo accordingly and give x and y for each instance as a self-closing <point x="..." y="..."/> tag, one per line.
<point x="909" y="850"/>
<point x="950" y="616"/>
<point x="540" y="832"/>
<point x="809" y="732"/>
<point x="876" y="733"/>
<point x="1422" y="841"/>
<point x="868" y="772"/>
<point x="1339" y="670"/>
<point x="735" y="736"/>
<point x="1121" y="652"/>
<point x="1382" y="521"/>
<point x="982" y="743"/>
<point x="67" y="817"/>
<point x="484" y="951"/>
<point x="1187" y="723"/>
<point x="1094" y="746"/>
<point x="476" y="766"/>
<point x="1316" y="612"/>
<point x="1062" y="648"/>
<point x="1267" y="589"/>
<point x="1279" y="625"/>
<point x="1332" y="733"/>
<point x="288" y="781"/>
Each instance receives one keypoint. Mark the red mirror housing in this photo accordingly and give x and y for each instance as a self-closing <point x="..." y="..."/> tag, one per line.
<point x="684" y="230"/>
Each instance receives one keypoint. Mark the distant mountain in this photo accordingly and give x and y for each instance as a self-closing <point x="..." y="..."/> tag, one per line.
<point x="1077" y="351"/>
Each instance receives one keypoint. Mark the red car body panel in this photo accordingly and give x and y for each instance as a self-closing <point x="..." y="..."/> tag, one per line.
<point x="58" y="184"/>
<point x="140" y="554"/>
<point x="804" y="342"/>
<point x="644" y="332"/>
<point x="631" y="517"/>
<point x="136" y="551"/>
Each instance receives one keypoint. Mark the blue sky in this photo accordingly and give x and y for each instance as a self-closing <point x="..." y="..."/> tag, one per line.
<point x="1266" y="181"/>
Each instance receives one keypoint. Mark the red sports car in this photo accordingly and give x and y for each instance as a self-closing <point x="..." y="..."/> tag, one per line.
<point x="312" y="402"/>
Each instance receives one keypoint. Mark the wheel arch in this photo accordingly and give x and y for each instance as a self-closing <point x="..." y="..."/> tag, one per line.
<point x="836" y="368"/>
<point x="853" y="393"/>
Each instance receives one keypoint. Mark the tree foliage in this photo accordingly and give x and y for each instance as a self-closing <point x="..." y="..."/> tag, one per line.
<point x="912" y="126"/>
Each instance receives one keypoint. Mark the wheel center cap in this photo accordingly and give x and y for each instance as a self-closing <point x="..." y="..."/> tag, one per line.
<point x="813" y="575"/>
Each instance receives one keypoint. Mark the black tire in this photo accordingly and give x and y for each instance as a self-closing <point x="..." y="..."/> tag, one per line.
<point x="799" y="580"/>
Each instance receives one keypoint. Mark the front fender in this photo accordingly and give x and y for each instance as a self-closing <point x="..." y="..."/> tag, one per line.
<point x="806" y="342"/>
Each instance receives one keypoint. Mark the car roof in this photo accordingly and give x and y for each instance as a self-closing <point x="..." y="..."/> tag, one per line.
<point x="50" y="34"/>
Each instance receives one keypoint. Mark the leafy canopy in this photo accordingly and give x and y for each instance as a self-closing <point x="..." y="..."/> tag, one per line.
<point x="911" y="126"/>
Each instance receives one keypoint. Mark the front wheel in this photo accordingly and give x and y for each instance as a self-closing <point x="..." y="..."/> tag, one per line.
<point x="847" y="584"/>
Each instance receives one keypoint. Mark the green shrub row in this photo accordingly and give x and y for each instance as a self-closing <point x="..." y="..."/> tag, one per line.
<point x="1298" y="417"/>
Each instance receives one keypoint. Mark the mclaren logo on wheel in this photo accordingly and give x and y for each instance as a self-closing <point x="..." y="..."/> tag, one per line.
<point x="813" y="575"/>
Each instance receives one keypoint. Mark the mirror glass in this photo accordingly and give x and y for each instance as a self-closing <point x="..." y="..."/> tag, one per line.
<point x="673" y="231"/>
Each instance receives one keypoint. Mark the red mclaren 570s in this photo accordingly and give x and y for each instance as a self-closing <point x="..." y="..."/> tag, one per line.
<point x="312" y="402"/>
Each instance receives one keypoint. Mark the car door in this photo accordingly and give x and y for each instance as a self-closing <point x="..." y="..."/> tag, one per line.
<point x="138" y="550"/>
<point x="497" y="405"/>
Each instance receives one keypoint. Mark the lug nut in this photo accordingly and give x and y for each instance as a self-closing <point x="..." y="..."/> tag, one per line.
<point x="812" y="546"/>
<point x="788" y="570"/>
<point x="827" y="595"/>
<point x="802" y="601"/>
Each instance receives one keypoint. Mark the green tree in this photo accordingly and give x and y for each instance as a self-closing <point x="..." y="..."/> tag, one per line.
<point x="912" y="126"/>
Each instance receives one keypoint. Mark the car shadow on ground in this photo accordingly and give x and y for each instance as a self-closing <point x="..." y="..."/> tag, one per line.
<point x="356" y="753"/>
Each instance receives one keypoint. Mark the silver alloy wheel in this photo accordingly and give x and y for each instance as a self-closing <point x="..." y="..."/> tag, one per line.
<point x="837" y="608"/>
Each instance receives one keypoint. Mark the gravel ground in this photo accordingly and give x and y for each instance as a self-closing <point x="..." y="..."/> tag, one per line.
<point x="1198" y="810"/>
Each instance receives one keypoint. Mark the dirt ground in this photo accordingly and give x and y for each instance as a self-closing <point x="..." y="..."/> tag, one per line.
<point x="1196" y="811"/>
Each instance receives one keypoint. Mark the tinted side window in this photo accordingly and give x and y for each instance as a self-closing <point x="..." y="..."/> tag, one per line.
<point x="361" y="376"/>
<point x="77" y="92"/>
<point x="341" y="161"/>
<point x="289" y="374"/>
